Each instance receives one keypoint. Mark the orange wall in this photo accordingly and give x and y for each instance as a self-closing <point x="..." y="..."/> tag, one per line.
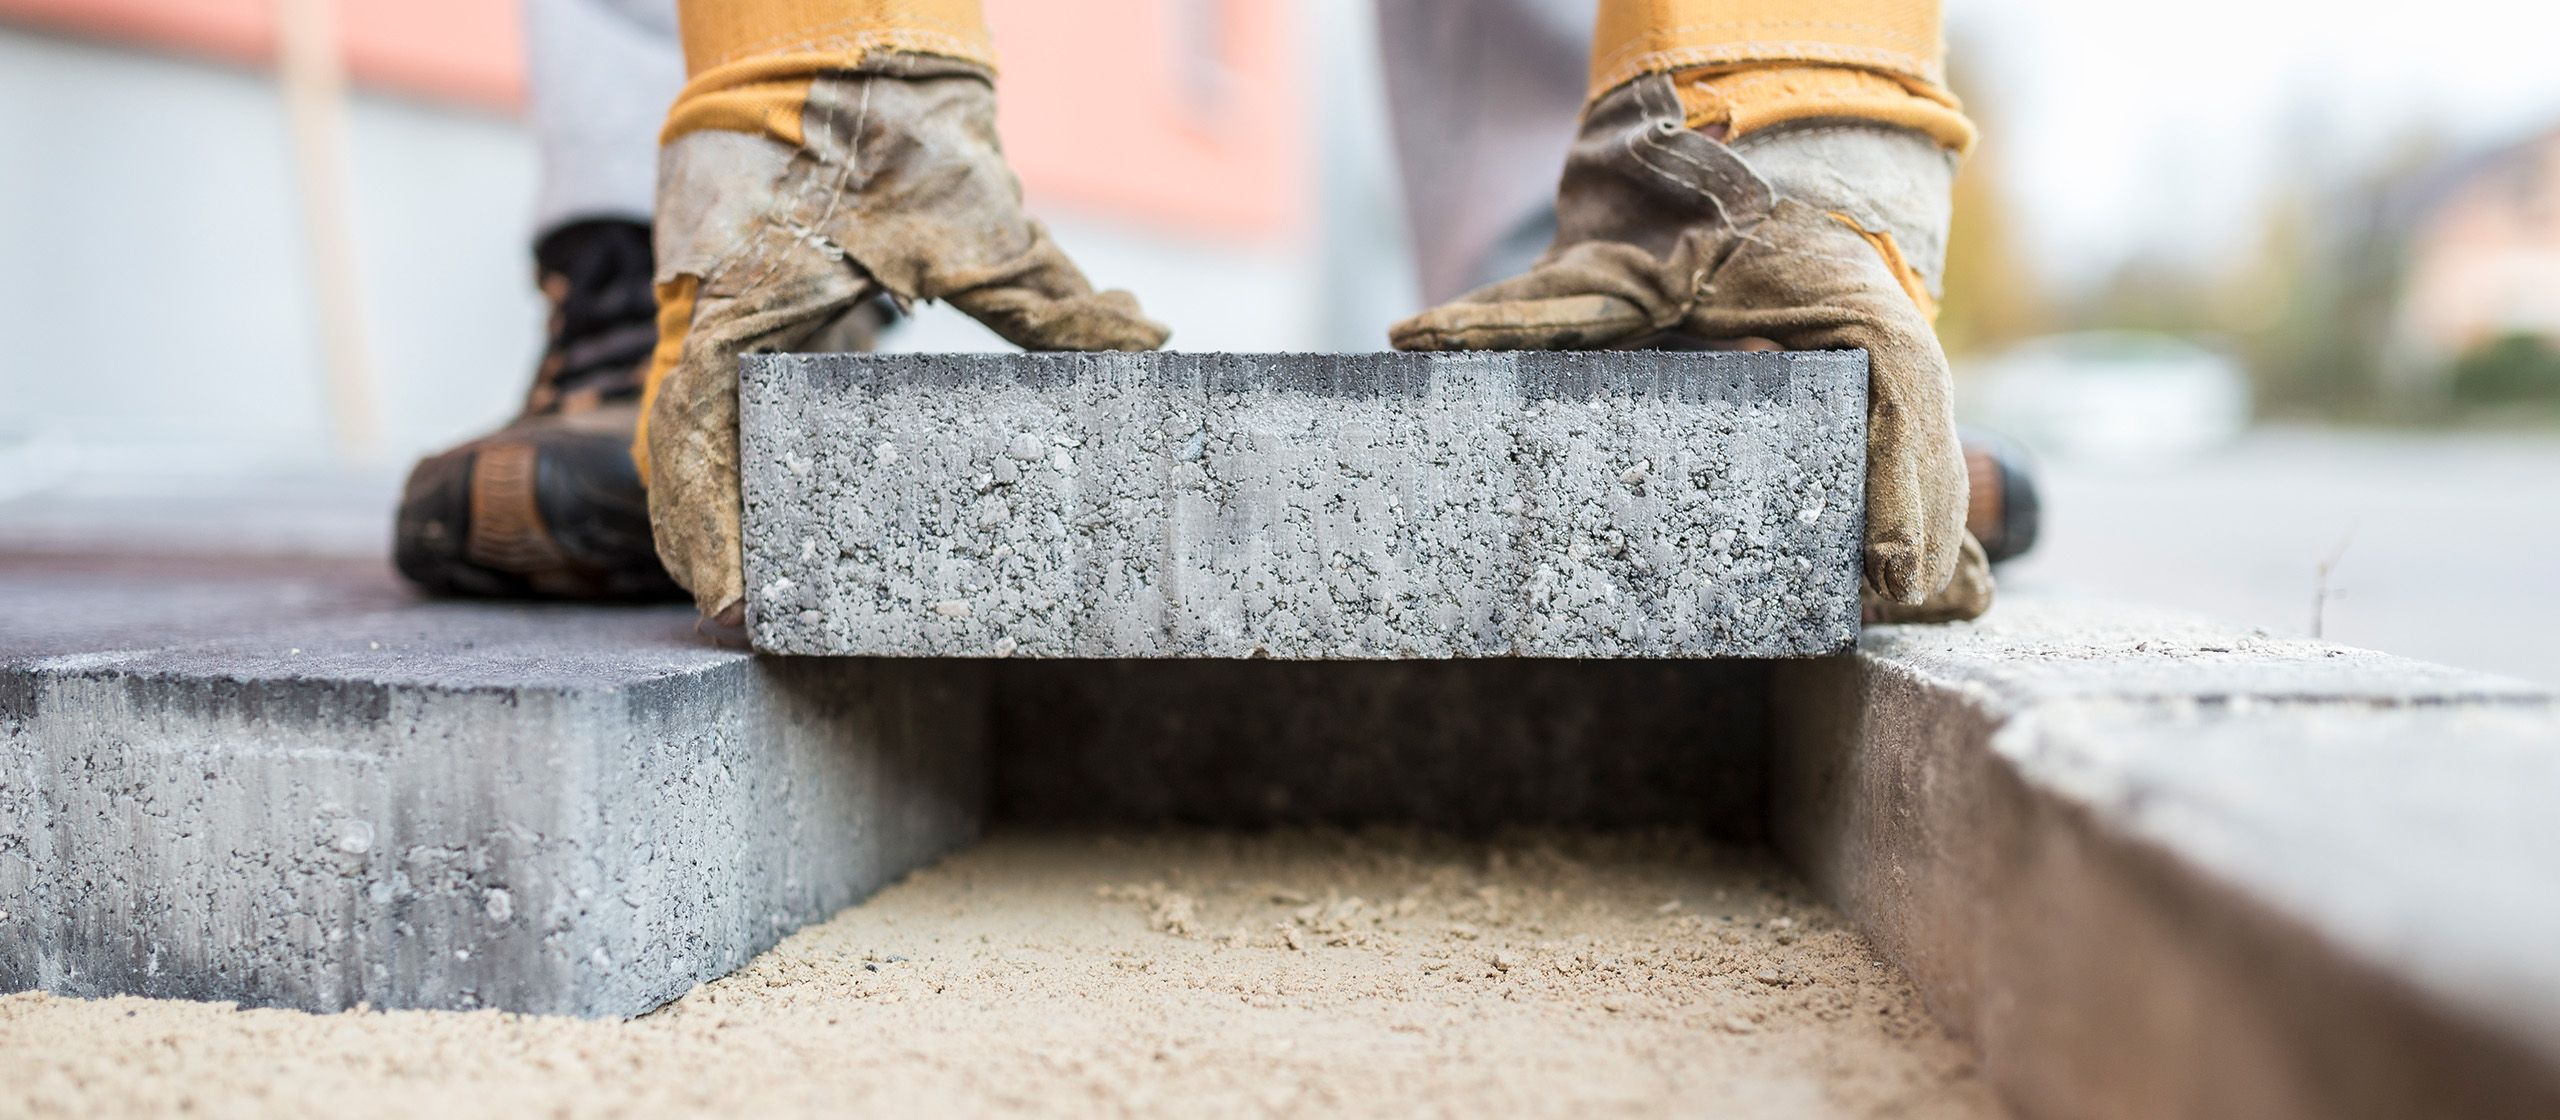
<point x="1104" y="107"/>
<point x="465" y="51"/>
<point x="1117" y="107"/>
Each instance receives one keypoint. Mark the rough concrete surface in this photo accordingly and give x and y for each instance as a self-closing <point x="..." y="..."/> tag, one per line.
<point x="295" y="784"/>
<point x="2157" y="867"/>
<point x="288" y="781"/>
<point x="1612" y="504"/>
<point x="1176" y="974"/>
<point x="2143" y="865"/>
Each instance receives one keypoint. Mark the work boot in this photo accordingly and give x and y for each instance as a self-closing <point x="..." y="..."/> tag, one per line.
<point x="2001" y="509"/>
<point x="2000" y="524"/>
<point x="551" y="505"/>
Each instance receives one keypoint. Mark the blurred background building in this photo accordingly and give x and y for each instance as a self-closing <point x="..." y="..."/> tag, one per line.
<point x="2480" y="300"/>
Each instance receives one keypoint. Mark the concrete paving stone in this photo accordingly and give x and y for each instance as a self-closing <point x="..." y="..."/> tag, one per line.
<point x="1613" y="504"/>
<point x="295" y="784"/>
<point x="290" y="781"/>
<point x="2189" y="870"/>
<point x="2168" y="866"/>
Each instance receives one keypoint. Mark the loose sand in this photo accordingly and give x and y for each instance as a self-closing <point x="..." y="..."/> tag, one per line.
<point x="1193" y="974"/>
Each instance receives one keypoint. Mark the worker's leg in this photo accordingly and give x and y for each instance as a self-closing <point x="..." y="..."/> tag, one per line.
<point x="601" y="75"/>
<point x="1776" y="169"/>
<point x="551" y="503"/>
<point x="823" y="152"/>
<point x="1483" y="95"/>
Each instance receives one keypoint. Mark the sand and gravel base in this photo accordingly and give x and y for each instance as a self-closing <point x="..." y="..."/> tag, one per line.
<point x="1192" y="974"/>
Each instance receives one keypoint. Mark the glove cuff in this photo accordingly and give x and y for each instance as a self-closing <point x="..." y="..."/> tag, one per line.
<point x="1892" y="186"/>
<point x="766" y="95"/>
<point x="1745" y="99"/>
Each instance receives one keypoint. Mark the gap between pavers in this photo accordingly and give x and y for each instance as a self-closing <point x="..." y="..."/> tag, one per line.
<point x="317" y="790"/>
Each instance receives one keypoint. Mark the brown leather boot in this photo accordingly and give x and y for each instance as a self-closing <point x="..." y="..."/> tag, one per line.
<point x="2002" y="510"/>
<point x="550" y="505"/>
<point x="2001" y="518"/>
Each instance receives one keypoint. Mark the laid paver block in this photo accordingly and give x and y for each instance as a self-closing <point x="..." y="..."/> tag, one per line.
<point x="318" y="791"/>
<point x="1610" y="504"/>
<point x="2190" y="870"/>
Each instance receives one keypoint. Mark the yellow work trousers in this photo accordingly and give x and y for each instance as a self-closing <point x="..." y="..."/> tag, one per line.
<point x="1744" y="64"/>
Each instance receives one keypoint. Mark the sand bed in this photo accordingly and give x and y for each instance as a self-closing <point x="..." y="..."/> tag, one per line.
<point x="1381" y="973"/>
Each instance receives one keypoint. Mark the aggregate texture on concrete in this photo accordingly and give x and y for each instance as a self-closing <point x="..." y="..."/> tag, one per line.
<point x="2191" y="871"/>
<point x="1415" y="506"/>
<point x="287" y="781"/>
<point x="291" y="783"/>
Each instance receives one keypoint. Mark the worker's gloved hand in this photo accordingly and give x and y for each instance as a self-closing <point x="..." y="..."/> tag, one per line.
<point x="787" y="211"/>
<point x="1966" y="596"/>
<point x="1818" y="234"/>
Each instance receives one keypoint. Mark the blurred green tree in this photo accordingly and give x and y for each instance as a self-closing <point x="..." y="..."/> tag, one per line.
<point x="2309" y="304"/>
<point x="2515" y="369"/>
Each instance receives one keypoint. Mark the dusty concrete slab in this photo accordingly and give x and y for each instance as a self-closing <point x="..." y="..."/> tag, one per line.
<point x="2161" y="865"/>
<point x="291" y="783"/>
<point x="1616" y="504"/>
<point x="287" y="781"/>
<point x="2186" y="870"/>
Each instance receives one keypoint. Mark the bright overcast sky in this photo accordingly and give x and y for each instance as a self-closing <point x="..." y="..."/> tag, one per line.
<point x="2165" y="122"/>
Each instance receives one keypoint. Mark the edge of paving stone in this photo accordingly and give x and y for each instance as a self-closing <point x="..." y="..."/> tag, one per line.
<point x="267" y="660"/>
<point x="262" y="679"/>
<point x="1568" y="374"/>
<point x="2069" y="714"/>
<point x="2064" y="736"/>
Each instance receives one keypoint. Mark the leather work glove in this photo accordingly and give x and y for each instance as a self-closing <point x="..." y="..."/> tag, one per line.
<point x="1818" y="234"/>
<point x="792" y="208"/>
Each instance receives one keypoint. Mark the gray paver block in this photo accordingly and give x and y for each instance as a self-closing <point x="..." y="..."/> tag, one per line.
<point x="1612" y="504"/>
<point x="285" y="781"/>
<point x="312" y="790"/>
<point x="2190" y="870"/>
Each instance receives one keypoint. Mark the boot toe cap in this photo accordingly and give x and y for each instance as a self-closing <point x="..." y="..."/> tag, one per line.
<point x="548" y="512"/>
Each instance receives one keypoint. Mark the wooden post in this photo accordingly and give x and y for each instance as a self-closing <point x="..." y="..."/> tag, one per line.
<point x="310" y="68"/>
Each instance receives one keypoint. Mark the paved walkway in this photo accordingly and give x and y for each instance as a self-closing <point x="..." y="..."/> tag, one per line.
<point x="2446" y="546"/>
